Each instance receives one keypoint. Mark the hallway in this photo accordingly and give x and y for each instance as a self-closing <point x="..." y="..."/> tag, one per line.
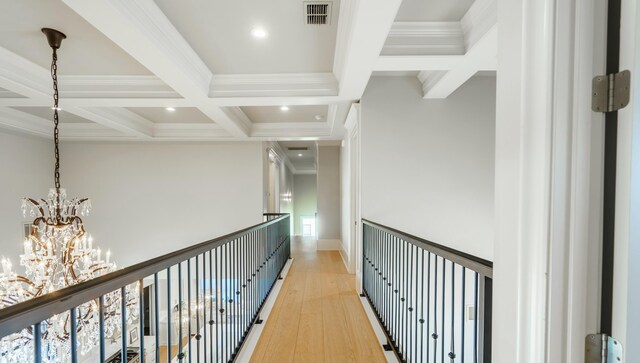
<point x="317" y="316"/>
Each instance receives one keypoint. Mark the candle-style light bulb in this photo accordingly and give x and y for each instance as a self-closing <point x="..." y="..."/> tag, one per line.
<point x="108" y="255"/>
<point x="99" y="253"/>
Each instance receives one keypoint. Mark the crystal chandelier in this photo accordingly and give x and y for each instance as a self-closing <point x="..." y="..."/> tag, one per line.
<point x="59" y="253"/>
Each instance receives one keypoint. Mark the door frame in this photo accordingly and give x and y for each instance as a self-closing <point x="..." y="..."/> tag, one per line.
<point x="353" y="138"/>
<point x="547" y="181"/>
<point x="626" y="270"/>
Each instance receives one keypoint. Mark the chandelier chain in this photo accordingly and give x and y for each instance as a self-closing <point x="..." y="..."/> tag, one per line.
<point x="54" y="76"/>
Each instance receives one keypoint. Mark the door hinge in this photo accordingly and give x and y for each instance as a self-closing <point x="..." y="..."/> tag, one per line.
<point x="601" y="348"/>
<point x="610" y="92"/>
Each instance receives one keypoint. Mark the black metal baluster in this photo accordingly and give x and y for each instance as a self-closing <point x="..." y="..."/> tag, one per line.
<point x="156" y="313"/>
<point x="198" y="336"/>
<point x="168" y="316"/>
<point x="123" y="316"/>
<point x="444" y="272"/>
<point x="141" y="319"/>
<point x="385" y="283"/>
<point x="435" y="309"/>
<point x="462" y="311"/>
<point x="405" y="310"/>
<point x="396" y="291"/>
<point x="204" y="308"/>
<point x="452" y="350"/>
<point x="101" y="327"/>
<point x="217" y="287"/>
<point x="476" y="300"/>
<point x="422" y="275"/>
<point x="180" y="354"/>
<point x="427" y="320"/>
<point x="234" y="295"/>
<point x="414" y="287"/>
<point x="73" y="331"/>
<point x="226" y="302"/>
<point x="37" y="343"/>
<point x="189" y="283"/>
<point x="410" y="305"/>
<point x="212" y="318"/>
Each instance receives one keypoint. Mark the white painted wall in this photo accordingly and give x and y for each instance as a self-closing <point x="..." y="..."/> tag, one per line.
<point x="305" y="200"/>
<point x="328" y="189"/>
<point x="428" y="165"/>
<point x="26" y="164"/>
<point x="153" y="198"/>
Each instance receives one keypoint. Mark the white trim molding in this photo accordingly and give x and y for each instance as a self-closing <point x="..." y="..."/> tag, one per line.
<point x="287" y="85"/>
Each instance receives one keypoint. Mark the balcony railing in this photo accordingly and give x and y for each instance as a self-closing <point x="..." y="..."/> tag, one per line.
<point x="433" y="302"/>
<point x="199" y="303"/>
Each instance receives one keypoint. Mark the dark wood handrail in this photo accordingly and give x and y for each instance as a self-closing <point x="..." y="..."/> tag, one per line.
<point x="480" y="265"/>
<point x="20" y="316"/>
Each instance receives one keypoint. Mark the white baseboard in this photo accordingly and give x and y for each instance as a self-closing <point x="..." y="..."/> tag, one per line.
<point x="329" y="245"/>
<point x="390" y="356"/>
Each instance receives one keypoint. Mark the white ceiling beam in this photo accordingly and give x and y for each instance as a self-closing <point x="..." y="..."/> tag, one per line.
<point x="119" y="119"/>
<point x="363" y="26"/>
<point x="175" y="102"/>
<point x="143" y="30"/>
<point x="24" y="77"/>
<point x="482" y="56"/>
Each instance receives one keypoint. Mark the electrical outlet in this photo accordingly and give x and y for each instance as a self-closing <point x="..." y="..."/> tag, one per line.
<point x="471" y="312"/>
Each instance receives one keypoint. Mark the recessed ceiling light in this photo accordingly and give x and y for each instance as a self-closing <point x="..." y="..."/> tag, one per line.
<point x="170" y="109"/>
<point x="318" y="117"/>
<point x="284" y="108"/>
<point x="259" y="33"/>
<point x="299" y="154"/>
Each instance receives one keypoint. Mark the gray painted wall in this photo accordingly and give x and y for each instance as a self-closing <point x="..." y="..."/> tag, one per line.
<point x="304" y="199"/>
<point x="428" y="165"/>
<point x="329" y="220"/>
<point x="27" y="171"/>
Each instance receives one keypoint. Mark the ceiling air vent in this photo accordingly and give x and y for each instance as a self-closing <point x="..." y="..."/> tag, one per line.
<point x="298" y="148"/>
<point x="317" y="13"/>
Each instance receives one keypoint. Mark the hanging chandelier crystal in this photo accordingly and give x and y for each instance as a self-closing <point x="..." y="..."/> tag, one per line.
<point x="59" y="253"/>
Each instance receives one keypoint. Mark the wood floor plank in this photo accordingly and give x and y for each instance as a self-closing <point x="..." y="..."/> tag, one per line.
<point x="317" y="316"/>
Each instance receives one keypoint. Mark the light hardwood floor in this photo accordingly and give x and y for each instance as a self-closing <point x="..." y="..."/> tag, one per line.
<point x="317" y="316"/>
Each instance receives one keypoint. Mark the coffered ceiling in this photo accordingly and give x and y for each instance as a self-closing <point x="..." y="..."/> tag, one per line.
<point x="228" y="70"/>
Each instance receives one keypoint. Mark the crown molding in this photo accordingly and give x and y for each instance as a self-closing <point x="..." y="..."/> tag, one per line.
<point x="289" y="129"/>
<point x="119" y="119"/>
<point x="256" y="85"/>
<point x="193" y="131"/>
<point x="424" y="38"/>
<point x="17" y="120"/>
<point x="115" y="87"/>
